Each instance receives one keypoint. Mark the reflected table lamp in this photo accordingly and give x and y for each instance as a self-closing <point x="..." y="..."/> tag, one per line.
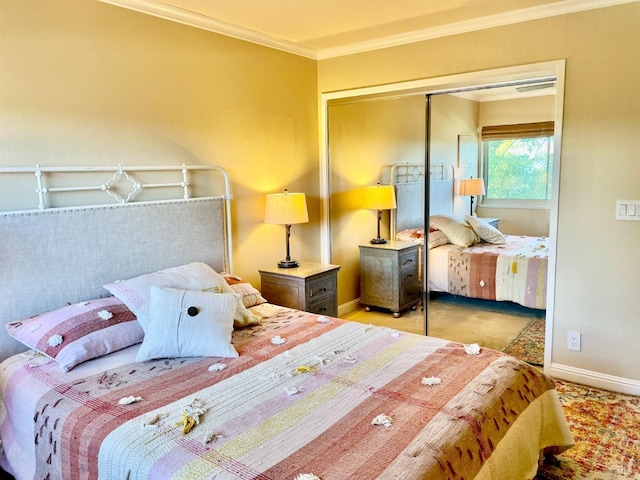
<point x="471" y="187"/>
<point x="379" y="197"/>
<point x="286" y="209"/>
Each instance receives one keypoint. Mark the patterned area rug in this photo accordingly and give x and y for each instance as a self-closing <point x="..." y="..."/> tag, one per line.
<point x="606" y="428"/>
<point x="529" y="344"/>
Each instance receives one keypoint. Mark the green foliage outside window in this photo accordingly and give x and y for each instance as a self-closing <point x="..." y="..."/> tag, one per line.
<point x="519" y="168"/>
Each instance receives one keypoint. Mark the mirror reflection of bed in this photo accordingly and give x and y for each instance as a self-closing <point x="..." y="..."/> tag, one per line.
<point x="351" y="127"/>
<point x="481" y="282"/>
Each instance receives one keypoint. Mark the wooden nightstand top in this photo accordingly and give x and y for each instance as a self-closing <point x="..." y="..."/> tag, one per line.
<point x="305" y="270"/>
<point x="391" y="245"/>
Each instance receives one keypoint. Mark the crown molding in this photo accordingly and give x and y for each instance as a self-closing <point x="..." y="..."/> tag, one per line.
<point x="193" y="19"/>
<point x="480" y="23"/>
<point x="204" y="22"/>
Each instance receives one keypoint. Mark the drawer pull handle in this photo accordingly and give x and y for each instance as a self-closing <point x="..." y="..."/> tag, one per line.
<point x="408" y="261"/>
<point x="322" y="290"/>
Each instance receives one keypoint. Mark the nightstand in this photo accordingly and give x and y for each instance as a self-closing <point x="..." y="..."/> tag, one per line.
<point x="389" y="276"/>
<point x="491" y="221"/>
<point x="312" y="287"/>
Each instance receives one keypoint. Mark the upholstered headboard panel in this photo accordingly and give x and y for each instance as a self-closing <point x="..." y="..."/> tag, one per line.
<point x="54" y="257"/>
<point x="408" y="180"/>
<point x="409" y="206"/>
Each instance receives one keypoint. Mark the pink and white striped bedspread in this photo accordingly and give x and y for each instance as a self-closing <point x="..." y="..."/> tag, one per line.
<point x="515" y="272"/>
<point x="281" y="410"/>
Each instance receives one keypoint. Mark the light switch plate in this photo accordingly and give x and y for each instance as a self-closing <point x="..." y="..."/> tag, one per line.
<point x="628" y="210"/>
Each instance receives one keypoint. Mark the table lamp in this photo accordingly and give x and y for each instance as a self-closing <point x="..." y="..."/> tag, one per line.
<point x="471" y="187"/>
<point x="286" y="209"/>
<point x="379" y="197"/>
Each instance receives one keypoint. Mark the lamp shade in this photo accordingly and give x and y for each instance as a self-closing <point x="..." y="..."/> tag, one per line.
<point x="286" y="208"/>
<point x="472" y="186"/>
<point x="379" y="197"/>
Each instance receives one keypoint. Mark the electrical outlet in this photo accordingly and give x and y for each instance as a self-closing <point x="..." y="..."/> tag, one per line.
<point x="573" y="341"/>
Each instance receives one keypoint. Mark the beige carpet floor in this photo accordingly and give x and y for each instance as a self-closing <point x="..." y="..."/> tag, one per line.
<point x="458" y="320"/>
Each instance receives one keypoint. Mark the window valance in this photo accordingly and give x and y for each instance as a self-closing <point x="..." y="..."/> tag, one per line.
<point x="520" y="130"/>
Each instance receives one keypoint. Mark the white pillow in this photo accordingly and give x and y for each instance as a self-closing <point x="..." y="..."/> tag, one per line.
<point x="455" y="228"/>
<point x="135" y="292"/>
<point x="188" y="323"/>
<point x="486" y="231"/>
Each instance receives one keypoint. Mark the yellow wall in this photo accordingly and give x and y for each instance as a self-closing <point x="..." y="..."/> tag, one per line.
<point x="87" y="83"/>
<point x="597" y="279"/>
<point x="366" y="137"/>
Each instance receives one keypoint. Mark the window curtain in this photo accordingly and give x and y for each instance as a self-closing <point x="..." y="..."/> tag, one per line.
<point x="520" y="130"/>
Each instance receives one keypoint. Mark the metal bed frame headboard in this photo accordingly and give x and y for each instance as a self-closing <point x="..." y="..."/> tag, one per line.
<point x="408" y="180"/>
<point x="120" y="176"/>
<point x="53" y="256"/>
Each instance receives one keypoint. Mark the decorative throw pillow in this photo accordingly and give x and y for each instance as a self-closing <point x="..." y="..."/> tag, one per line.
<point x="135" y="292"/>
<point x="437" y="239"/>
<point x="486" y="231"/>
<point x="410" y="235"/>
<point x="250" y="295"/>
<point x="188" y="323"/>
<point x="455" y="228"/>
<point x="79" y="332"/>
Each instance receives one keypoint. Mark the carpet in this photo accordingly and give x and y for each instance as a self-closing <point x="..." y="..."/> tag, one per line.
<point x="529" y="343"/>
<point x="606" y="428"/>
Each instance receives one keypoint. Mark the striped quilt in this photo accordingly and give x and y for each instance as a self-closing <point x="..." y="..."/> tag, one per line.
<point x="307" y="395"/>
<point x="515" y="272"/>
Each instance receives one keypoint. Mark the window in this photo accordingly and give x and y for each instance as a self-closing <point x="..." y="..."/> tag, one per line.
<point x="518" y="163"/>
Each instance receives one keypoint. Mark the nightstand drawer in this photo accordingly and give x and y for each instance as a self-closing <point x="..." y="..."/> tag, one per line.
<point x="410" y="287"/>
<point x="409" y="259"/>
<point x="321" y="288"/>
<point x="327" y="305"/>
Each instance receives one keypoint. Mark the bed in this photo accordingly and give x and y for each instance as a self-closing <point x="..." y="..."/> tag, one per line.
<point x="467" y="256"/>
<point x="282" y="394"/>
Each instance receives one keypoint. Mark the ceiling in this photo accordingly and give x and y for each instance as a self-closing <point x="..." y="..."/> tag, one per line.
<point x="322" y="29"/>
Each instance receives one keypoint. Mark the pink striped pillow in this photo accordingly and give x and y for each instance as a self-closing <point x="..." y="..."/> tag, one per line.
<point x="79" y="332"/>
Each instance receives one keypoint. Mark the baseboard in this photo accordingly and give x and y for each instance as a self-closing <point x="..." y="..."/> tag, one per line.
<point x="594" y="379"/>
<point x="348" y="307"/>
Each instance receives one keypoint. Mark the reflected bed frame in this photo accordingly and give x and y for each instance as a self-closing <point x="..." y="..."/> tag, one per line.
<point x="408" y="181"/>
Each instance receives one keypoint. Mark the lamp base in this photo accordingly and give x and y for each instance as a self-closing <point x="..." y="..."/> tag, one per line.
<point x="288" y="264"/>
<point x="378" y="241"/>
